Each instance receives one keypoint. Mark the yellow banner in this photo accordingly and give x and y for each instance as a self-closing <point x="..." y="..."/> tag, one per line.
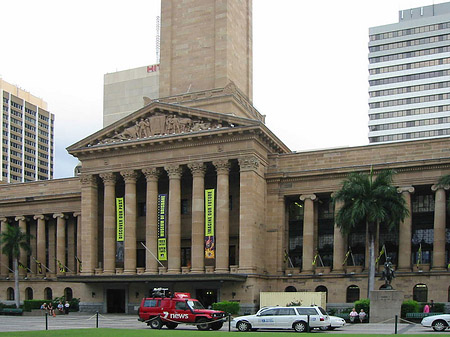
<point x="120" y="218"/>
<point x="209" y="224"/>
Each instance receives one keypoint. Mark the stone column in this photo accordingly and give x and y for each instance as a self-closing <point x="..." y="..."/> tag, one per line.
<point x="251" y="202"/>
<point x="439" y="228"/>
<point x="78" y="256"/>
<point x="71" y="263"/>
<point x="52" y="248"/>
<point x="23" y="254"/>
<point x="339" y="246"/>
<point x="40" y="239"/>
<point x="4" y="271"/>
<point x="151" y="223"/>
<point x="130" y="177"/>
<point x="60" y="243"/>
<point x="109" y="223"/>
<point x="405" y="232"/>
<point x="198" y="218"/>
<point x="222" y="216"/>
<point x="33" y="247"/>
<point x="308" y="233"/>
<point x="89" y="223"/>
<point x="174" y="254"/>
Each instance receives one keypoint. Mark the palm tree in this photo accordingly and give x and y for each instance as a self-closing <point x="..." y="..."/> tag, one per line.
<point x="370" y="201"/>
<point x="12" y="240"/>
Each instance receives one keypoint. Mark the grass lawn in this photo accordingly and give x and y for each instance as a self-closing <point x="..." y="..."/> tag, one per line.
<point x="168" y="333"/>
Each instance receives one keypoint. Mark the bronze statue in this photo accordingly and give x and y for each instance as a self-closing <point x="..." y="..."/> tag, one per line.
<point x="388" y="274"/>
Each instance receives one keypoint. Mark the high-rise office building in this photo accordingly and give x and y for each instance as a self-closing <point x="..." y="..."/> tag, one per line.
<point x="123" y="91"/>
<point x="409" y="76"/>
<point x="27" y="136"/>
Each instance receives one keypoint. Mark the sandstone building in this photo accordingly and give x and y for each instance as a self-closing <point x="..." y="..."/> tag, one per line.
<point x="209" y="190"/>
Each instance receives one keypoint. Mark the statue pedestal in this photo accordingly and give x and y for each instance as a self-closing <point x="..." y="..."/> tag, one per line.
<point x="384" y="305"/>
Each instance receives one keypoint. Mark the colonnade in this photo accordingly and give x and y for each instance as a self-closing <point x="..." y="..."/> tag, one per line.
<point x="405" y="233"/>
<point x="48" y="256"/>
<point x="90" y="223"/>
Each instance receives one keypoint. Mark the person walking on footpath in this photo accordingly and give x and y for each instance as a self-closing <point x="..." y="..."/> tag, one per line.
<point x="66" y="308"/>
<point x="353" y="315"/>
<point x="426" y="308"/>
<point x="362" y="315"/>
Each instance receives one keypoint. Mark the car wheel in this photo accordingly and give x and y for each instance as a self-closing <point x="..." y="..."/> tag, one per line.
<point x="324" y="328"/>
<point x="439" y="325"/>
<point x="216" y="326"/>
<point x="243" y="326"/>
<point x="156" y="323"/>
<point x="300" y="327"/>
<point x="171" y="326"/>
<point x="202" y="324"/>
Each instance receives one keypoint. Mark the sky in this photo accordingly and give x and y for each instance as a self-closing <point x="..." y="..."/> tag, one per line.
<point x="310" y="63"/>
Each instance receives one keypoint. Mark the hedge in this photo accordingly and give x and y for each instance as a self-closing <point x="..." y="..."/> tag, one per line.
<point x="409" y="306"/>
<point x="229" y="307"/>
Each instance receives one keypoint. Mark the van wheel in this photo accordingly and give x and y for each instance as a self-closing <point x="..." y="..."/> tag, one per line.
<point x="202" y="324"/>
<point x="216" y="326"/>
<point x="243" y="326"/>
<point x="156" y="323"/>
<point x="300" y="327"/>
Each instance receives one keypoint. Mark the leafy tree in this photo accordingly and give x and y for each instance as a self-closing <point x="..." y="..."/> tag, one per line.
<point x="12" y="241"/>
<point x="370" y="200"/>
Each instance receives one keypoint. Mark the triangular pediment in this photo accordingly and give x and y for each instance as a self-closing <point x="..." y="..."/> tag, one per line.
<point x="161" y="121"/>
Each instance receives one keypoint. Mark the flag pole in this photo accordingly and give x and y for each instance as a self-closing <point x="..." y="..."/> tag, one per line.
<point x="148" y="250"/>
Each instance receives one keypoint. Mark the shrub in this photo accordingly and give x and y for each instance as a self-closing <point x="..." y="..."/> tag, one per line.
<point x="229" y="307"/>
<point x="363" y="304"/>
<point x="29" y="305"/>
<point x="409" y="306"/>
<point x="439" y="307"/>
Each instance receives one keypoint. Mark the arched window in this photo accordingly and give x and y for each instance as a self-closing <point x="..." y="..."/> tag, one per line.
<point x="323" y="289"/>
<point x="48" y="294"/>
<point x="28" y="293"/>
<point x="68" y="294"/>
<point x="352" y="293"/>
<point x="10" y="294"/>
<point x="290" y="289"/>
<point x="420" y="293"/>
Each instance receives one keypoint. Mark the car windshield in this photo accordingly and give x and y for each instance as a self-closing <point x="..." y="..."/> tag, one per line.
<point x="322" y="311"/>
<point x="195" y="304"/>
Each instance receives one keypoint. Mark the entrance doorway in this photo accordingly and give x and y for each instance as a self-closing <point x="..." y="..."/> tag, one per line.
<point x="206" y="296"/>
<point x="115" y="300"/>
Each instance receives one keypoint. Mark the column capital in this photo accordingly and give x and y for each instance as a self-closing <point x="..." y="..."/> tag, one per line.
<point x="409" y="189"/>
<point x="39" y="217"/>
<point x="4" y="219"/>
<point x="109" y="178"/>
<point x="59" y="215"/>
<point x="20" y="218"/>
<point x="303" y="197"/>
<point x="248" y="163"/>
<point x="174" y="171"/>
<point x="129" y="176"/>
<point x="222" y="166"/>
<point x="76" y="214"/>
<point x="151" y="173"/>
<point x="436" y="187"/>
<point x="197" y="168"/>
<point x="88" y="179"/>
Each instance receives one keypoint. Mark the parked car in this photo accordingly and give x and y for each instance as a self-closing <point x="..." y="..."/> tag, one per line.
<point x="437" y="322"/>
<point x="335" y="322"/>
<point x="284" y="318"/>
<point x="171" y="310"/>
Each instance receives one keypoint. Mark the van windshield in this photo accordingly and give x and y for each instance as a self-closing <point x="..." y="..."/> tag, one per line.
<point x="195" y="305"/>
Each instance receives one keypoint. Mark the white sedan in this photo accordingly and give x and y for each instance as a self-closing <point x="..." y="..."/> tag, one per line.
<point x="335" y="322"/>
<point x="437" y="322"/>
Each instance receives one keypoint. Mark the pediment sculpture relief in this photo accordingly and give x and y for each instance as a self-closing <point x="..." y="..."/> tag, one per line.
<point x="159" y="125"/>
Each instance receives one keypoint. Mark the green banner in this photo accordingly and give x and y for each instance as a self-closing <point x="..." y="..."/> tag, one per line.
<point x="209" y="224"/>
<point x="120" y="219"/>
<point x="162" y="237"/>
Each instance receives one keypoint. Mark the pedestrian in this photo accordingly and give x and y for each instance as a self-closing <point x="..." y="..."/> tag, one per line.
<point x="431" y="306"/>
<point x="66" y="308"/>
<point x="51" y="310"/>
<point x="353" y="315"/>
<point x="362" y="315"/>
<point x="426" y="309"/>
<point x="60" y="307"/>
<point x="44" y="307"/>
